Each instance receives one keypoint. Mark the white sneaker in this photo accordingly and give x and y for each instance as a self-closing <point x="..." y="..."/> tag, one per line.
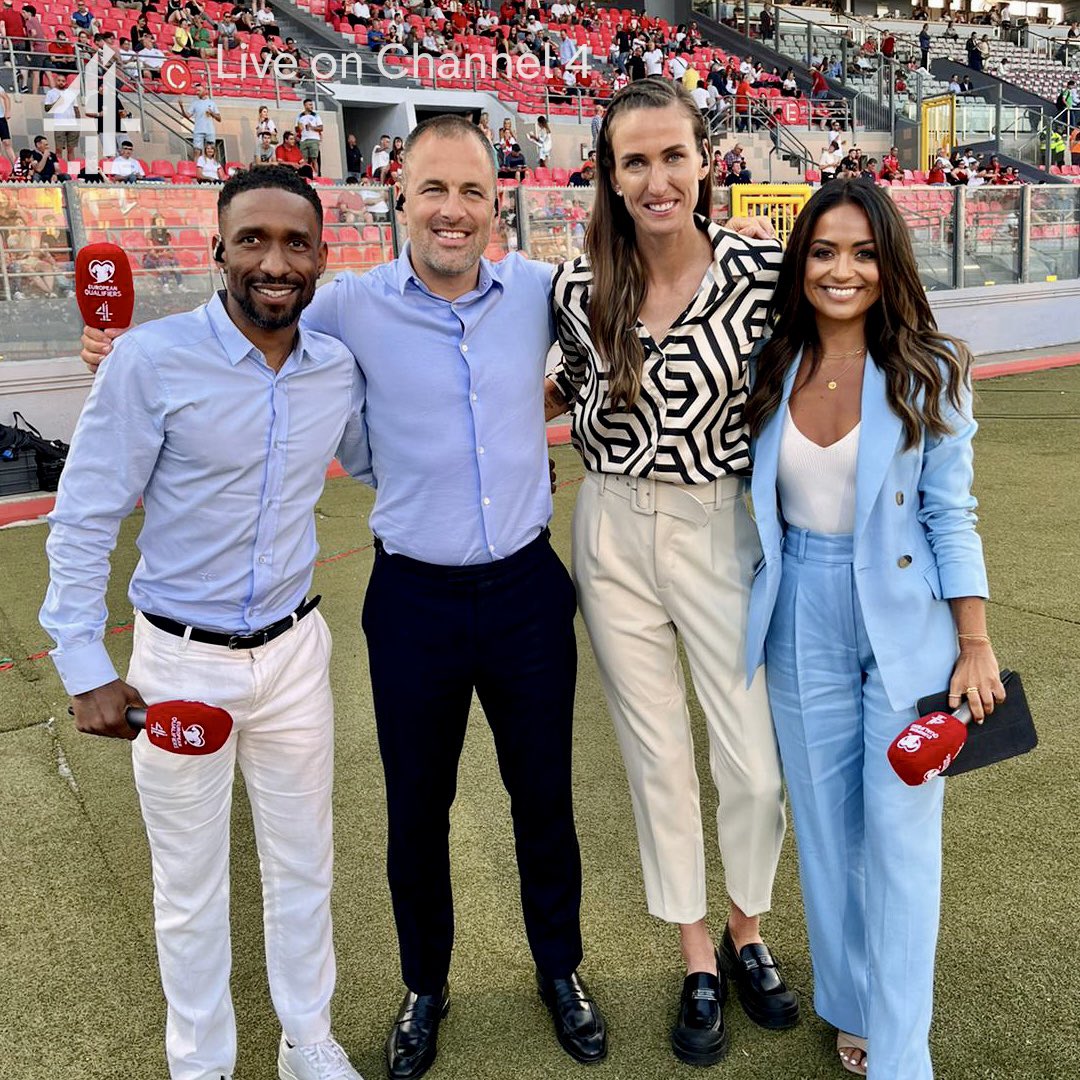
<point x="319" y="1061"/>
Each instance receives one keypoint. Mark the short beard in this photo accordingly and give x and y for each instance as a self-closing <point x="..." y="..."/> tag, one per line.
<point x="278" y="322"/>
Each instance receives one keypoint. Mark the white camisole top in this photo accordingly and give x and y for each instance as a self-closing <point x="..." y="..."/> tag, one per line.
<point x="816" y="484"/>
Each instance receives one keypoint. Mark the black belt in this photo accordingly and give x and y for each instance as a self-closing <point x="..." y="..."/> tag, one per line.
<point x="234" y="641"/>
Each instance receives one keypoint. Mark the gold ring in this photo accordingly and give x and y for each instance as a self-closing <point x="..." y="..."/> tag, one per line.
<point x="972" y="690"/>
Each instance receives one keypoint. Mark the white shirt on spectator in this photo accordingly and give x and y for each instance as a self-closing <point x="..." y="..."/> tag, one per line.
<point x="677" y="67"/>
<point x="361" y="10"/>
<point x="123" y="167"/>
<point x="701" y="98"/>
<point x="207" y="167"/>
<point x="380" y="157"/>
<point x="307" y="123"/>
<point x="654" y="62"/>
<point x="151" y="59"/>
<point x="51" y="98"/>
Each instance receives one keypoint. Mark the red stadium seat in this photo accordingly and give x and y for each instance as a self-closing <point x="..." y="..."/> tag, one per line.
<point x="186" y="168"/>
<point x="162" y="167"/>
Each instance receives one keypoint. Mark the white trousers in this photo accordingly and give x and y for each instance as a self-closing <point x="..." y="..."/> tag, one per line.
<point x="654" y="566"/>
<point x="280" y="701"/>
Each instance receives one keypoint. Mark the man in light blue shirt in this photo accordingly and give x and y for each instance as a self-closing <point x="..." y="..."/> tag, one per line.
<point x="466" y="593"/>
<point x="203" y="114"/>
<point x="223" y="420"/>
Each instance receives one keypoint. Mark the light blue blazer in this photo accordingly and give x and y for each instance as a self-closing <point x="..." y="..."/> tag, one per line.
<point x="915" y="543"/>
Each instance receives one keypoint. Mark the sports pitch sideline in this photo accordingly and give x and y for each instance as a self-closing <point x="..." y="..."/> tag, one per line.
<point x="79" y="996"/>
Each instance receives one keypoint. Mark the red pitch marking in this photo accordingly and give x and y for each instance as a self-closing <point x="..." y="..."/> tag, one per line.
<point x="1024" y="367"/>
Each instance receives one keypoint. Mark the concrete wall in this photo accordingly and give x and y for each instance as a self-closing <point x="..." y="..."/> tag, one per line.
<point x="1003" y="318"/>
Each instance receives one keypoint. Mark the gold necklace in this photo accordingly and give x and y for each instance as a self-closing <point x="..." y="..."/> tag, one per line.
<point x="855" y="355"/>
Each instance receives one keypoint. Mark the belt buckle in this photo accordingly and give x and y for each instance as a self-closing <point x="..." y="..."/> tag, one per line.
<point x="248" y="641"/>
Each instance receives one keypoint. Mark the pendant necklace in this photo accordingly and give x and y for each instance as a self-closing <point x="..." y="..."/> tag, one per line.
<point x="855" y="356"/>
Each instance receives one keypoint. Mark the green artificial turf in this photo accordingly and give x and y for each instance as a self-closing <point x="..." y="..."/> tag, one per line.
<point x="79" y="997"/>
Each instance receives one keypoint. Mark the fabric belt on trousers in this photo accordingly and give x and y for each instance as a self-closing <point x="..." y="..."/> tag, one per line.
<point x="690" y="502"/>
<point x="234" y="641"/>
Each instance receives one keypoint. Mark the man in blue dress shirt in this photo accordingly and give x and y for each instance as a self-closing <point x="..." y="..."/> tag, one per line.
<point x="466" y="593"/>
<point x="223" y="420"/>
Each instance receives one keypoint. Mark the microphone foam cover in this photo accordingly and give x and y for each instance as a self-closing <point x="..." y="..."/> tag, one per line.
<point x="103" y="286"/>
<point x="927" y="747"/>
<point x="187" y="727"/>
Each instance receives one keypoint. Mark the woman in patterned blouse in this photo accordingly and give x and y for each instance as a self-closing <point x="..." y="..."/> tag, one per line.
<point x="656" y="324"/>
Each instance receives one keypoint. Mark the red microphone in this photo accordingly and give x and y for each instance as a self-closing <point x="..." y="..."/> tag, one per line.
<point x="929" y="745"/>
<point x="103" y="286"/>
<point x="182" y="727"/>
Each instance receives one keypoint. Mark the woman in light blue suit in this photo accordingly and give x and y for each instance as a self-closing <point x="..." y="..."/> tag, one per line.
<point x="870" y="595"/>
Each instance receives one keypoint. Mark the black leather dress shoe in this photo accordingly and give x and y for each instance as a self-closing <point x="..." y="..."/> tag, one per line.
<point x="762" y="992"/>
<point x="410" y="1046"/>
<point x="579" y="1023"/>
<point x="699" y="1036"/>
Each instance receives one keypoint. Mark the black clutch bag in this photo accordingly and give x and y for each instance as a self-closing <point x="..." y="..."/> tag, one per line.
<point x="1008" y="732"/>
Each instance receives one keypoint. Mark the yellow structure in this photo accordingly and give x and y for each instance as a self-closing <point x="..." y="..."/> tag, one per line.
<point x="780" y="203"/>
<point x="938" y="128"/>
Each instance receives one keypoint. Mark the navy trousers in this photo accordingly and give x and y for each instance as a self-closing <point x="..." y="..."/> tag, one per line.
<point x="435" y="634"/>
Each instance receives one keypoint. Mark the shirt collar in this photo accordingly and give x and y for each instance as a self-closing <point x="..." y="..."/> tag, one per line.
<point x="489" y="275"/>
<point x="236" y="346"/>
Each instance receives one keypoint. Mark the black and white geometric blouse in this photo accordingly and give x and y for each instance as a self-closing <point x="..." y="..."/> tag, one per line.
<point x="687" y="424"/>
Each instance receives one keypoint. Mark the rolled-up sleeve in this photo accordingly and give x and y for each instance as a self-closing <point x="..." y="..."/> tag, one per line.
<point x="116" y="444"/>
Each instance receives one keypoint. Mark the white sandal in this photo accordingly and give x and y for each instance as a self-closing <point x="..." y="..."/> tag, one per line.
<point x="845" y="1041"/>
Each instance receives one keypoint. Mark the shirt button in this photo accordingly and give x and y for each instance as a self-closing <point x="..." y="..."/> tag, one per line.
<point x="262" y="559"/>
<point x="479" y="449"/>
<point x="491" y="548"/>
<point x="904" y="562"/>
<point x="464" y="348"/>
<point x="487" y="501"/>
<point x="473" y="396"/>
<point x="899" y="498"/>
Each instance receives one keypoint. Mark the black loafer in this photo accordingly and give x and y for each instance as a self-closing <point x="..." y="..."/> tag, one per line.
<point x="763" y="994"/>
<point x="579" y="1023"/>
<point x="410" y="1046"/>
<point x="699" y="1036"/>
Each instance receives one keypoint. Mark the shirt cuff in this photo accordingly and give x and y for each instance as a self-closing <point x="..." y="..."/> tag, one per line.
<point x="84" y="667"/>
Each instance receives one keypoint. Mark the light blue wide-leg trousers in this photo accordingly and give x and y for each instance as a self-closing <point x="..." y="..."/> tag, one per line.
<point x="869" y="845"/>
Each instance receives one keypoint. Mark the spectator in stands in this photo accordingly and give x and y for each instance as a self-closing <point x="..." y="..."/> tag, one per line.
<point x="203" y="114"/>
<point x="869" y="170"/>
<point x="67" y="142"/>
<point x="227" y="31"/>
<point x="789" y="88"/>
<point x="484" y="124"/>
<point x="208" y="166"/>
<point x="23" y="168"/>
<point x="635" y="66"/>
<point x="265" y="153"/>
<point x="974" y="55"/>
<point x="829" y="162"/>
<point x="288" y="153"/>
<point x="182" y="44"/>
<point x="265" y="21"/>
<point x="44" y="167"/>
<point x="126" y="167"/>
<point x="585" y="176"/>
<point x="380" y="159"/>
<point x="743" y="117"/>
<point x="309" y="127"/>
<point x="202" y="41"/>
<point x="82" y="19"/>
<point x="954" y="84"/>
<point x="397" y="159"/>
<point x="263" y="123"/>
<point x="160" y="257"/>
<point x="505" y="138"/>
<point x="61" y="53"/>
<point x="541" y="137"/>
<point x="700" y="94"/>
<point x="513" y="164"/>
<point x="890" y="165"/>
<point x="354" y="158"/>
<point x="35" y="47"/>
<point x="5" y="128"/>
<point x="924" y="46"/>
<point x="819" y="88"/>
<point x="151" y="58"/>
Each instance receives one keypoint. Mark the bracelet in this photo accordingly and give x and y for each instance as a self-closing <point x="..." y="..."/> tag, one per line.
<point x="974" y="637"/>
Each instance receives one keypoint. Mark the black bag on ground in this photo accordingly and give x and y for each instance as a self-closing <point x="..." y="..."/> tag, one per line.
<point x="50" y="453"/>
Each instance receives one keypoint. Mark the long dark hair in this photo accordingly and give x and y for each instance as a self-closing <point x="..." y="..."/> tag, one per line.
<point x="618" y="272"/>
<point x="901" y="334"/>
